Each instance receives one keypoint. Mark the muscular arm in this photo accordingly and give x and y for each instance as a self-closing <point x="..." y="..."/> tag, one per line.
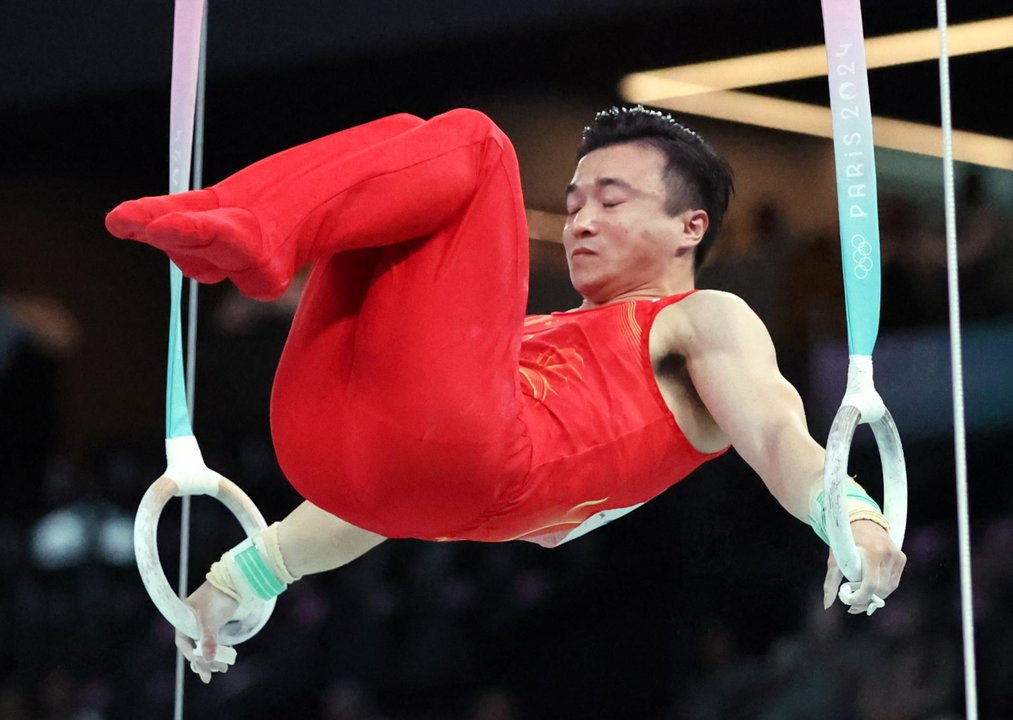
<point x="313" y="541"/>
<point x="731" y="362"/>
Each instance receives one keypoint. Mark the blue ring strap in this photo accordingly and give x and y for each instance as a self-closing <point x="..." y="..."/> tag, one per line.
<point x="188" y="18"/>
<point x="855" y="163"/>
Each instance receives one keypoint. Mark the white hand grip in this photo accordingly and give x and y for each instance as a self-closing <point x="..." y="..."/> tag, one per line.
<point x="146" y="550"/>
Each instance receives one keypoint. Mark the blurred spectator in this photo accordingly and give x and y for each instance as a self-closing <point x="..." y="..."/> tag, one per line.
<point x="985" y="243"/>
<point x="903" y="301"/>
<point x="914" y="671"/>
<point x="494" y="704"/>
<point x="756" y="272"/>
<point x="35" y="332"/>
<point x="348" y="699"/>
<point x="14" y="700"/>
<point x="984" y="253"/>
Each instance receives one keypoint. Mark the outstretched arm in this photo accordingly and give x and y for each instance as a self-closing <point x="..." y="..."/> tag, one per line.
<point x="732" y="364"/>
<point x="314" y="541"/>
<point x="310" y="541"/>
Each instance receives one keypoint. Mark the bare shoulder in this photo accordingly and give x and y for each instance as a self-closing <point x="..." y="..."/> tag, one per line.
<point x="709" y="319"/>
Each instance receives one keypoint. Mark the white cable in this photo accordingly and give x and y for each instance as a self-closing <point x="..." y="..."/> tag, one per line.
<point x="957" y="370"/>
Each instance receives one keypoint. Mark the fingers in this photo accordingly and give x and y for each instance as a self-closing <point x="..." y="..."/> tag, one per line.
<point x="201" y="662"/>
<point x="198" y="665"/>
<point x="832" y="582"/>
<point x="871" y="585"/>
<point x="856" y="607"/>
<point x="212" y="610"/>
<point x="896" y="570"/>
<point x="848" y="593"/>
<point x="209" y="638"/>
<point x="882" y="566"/>
<point x="185" y="646"/>
<point x="871" y="594"/>
<point x="874" y="604"/>
<point x="882" y="561"/>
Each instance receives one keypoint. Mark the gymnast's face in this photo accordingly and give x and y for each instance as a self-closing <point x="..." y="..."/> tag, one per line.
<point x="619" y="237"/>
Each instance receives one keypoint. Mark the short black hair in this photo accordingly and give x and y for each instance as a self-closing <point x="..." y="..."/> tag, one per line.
<point x="696" y="175"/>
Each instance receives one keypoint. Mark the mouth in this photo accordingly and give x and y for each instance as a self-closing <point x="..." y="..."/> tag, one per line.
<point x="581" y="251"/>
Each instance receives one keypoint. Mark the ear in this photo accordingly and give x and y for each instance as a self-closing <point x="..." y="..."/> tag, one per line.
<point x="694" y="226"/>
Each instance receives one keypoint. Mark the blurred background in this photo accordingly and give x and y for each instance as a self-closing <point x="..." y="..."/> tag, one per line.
<point x="705" y="603"/>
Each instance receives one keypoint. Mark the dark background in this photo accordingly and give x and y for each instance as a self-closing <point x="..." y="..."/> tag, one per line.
<point x="703" y="604"/>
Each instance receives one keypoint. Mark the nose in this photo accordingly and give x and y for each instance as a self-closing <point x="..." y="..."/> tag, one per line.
<point x="583" y="223"/>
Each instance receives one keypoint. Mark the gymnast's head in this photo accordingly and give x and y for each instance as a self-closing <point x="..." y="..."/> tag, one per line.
<point x="641" y="179"/>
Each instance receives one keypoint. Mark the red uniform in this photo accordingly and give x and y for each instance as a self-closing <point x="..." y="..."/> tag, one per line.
<point x="413" y="398"/>
<point x="602" y="438"/>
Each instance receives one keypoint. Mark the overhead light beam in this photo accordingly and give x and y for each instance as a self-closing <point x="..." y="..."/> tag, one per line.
<point x="711" y="89"/>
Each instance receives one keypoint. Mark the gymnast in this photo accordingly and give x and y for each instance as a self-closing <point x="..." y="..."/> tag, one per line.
<point x="414" y="399"/>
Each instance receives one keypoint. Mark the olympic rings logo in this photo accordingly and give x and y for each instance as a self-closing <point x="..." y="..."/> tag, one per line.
<point x="861" y="256"/>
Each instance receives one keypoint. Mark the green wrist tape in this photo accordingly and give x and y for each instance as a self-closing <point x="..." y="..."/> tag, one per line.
<point x="857" y="492"/>
<point x="258" y="574"/>
<point x="818" y="518"/>
<point x="818" y="512"/>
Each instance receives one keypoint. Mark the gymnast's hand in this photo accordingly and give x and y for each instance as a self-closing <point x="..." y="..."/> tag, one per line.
<point x="213" y="609"/>
<point x="882" y="565"/>
<point x="206" y="241"/>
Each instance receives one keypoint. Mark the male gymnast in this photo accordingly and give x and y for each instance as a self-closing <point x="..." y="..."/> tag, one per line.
<point x="415" y="399"/>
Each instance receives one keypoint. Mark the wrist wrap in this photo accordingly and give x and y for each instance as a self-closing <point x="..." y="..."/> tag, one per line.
<point x="860" y="507"/>
<point x="252" y="570"/>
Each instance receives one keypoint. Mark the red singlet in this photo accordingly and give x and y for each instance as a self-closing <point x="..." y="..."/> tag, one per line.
<point x="603" y="439"/>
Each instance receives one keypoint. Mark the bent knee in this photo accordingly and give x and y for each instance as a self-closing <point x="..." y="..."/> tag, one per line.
<point x="474" y="125"/>
<point x="405" y="121"/>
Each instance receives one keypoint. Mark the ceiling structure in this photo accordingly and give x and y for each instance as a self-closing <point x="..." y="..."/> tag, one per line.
<point x="86" y="84"/>
<point x="62" y="51"/>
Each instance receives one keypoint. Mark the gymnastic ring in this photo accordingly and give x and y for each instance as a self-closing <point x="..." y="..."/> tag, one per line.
<point x="835" y="472"/>
<point x="173" y="609"/>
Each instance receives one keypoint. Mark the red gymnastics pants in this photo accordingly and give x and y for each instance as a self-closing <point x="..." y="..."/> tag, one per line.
<point x="396" y="405"/>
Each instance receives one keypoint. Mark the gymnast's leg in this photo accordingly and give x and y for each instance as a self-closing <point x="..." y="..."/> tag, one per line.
<point x="423" y="429"/>
<point x="395" y="405"/>
<point x="403" y="177"/>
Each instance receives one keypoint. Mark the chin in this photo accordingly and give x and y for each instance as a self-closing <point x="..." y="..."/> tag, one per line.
<point x="589" y="291"/>
<point x="581" y="284"/>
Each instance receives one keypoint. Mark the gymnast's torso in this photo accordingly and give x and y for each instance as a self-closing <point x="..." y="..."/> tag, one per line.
<point x="604" y="406"/>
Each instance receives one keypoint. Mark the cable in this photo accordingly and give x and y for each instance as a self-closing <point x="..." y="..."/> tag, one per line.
<point x="957" y="371"/>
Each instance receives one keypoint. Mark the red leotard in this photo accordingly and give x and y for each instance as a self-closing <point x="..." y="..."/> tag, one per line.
<point x="413" y="399"/>
<point x="602" y="436"/>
